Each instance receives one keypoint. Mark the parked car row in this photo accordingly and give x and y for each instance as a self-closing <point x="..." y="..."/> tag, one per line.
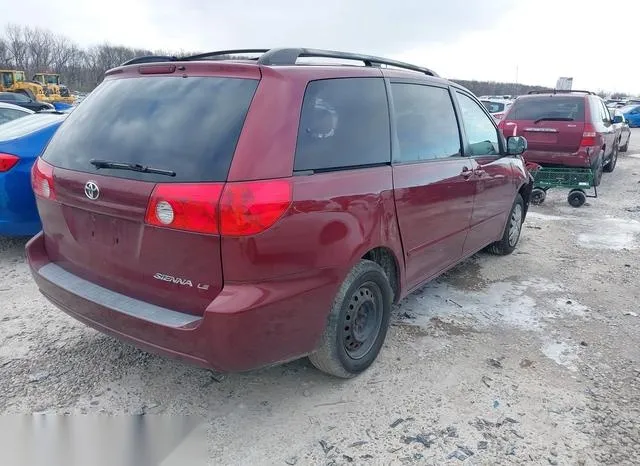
<point x="22" y="100"/>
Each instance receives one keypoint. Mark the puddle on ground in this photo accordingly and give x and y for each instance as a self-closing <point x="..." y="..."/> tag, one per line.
<point x="545" y="217"/>
<point x="522" y="305"/>
<point x="611" y="233"/>
<point x="466" y="276"/>
<point x="561" y="353"/>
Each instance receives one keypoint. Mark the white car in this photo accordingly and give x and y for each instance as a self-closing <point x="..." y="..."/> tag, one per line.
<point x="10" y="112"/>
<point x="497" y="107"/>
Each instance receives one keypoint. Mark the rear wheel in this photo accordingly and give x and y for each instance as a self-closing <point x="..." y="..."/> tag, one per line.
<point x="577" y="198"/>
<point x="357" y="324"/>
<point x="597" y="171"/>
<point x="611" y="165"/>
<point x="538" y="195"/>
<point x="626" y="145"/>
<point x="512" y="230"/>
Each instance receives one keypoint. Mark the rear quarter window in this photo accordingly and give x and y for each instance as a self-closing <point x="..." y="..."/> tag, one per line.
<point x="344" y="123"/>
<point x="187" y="125"/>
<point x="548" y="107"/>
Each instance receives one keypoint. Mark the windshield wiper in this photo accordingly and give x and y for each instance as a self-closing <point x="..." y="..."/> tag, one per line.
<point x="553" y="119"/>
<point x="134" y="167"/>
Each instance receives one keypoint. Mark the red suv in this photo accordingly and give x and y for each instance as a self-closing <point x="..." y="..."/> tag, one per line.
<point x="565" y="129"/>
<point x="241" y="213"/>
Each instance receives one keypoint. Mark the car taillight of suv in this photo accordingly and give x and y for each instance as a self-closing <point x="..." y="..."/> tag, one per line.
<point x="241" y="213"/>
<point x="565" y="129"/>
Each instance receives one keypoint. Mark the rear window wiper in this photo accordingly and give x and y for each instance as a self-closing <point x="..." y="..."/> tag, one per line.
<point x="553" y="119"/>
<point x="134" y="167"/>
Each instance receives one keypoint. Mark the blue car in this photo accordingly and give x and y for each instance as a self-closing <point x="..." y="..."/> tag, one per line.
<point x="632" y="114"/>
<point x="21" y="142"/>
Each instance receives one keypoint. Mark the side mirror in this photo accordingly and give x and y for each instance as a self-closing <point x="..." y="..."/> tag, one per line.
<point x="516" y="145"/>
<point x="617" y="119"/>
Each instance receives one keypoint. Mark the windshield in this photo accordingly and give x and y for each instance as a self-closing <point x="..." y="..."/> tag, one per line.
<point x="186" y="125"/>
<point x="27" y="125"/>
<point x="627" y="108"/>
<point x="570" y="108"/>
<point x="51" y="78"/>
<point x="493" y="107"/>
<point x="19" y="76"/>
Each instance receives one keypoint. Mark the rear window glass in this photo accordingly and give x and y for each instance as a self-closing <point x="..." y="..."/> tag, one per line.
<point x="27" y="124"/>
<point x="493" y="107"/>
<point x="344" y="123"/>
<point x="187" y="125"/>
<point x="548" y="107"/>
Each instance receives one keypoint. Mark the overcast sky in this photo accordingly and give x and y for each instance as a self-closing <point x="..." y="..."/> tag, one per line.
<point x="533" y="41"/>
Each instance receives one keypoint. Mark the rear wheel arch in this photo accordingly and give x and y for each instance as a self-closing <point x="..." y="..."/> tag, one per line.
<point x="386" y="258"/>
<point x="525" y="192"/>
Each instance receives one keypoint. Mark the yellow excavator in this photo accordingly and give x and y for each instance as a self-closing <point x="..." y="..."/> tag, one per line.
<point x="56" y="92"/>
<point x="15" y="81"/>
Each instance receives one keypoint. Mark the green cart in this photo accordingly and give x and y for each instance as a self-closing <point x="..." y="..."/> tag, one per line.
<point x="579" y="181"/>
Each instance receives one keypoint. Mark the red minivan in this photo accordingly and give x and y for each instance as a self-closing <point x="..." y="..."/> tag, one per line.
<point x="565" y="129"/>
<point x="241" y="213"/>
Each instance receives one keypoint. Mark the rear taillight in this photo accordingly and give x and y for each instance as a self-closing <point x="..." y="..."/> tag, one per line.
<point x="7" y="162"/>
<point x="232" y="209"/>
<point x="42" y="180"/>
<point x="191" y="207"/>
<point x="247" y="208"/>
<point x="589" y="136"/>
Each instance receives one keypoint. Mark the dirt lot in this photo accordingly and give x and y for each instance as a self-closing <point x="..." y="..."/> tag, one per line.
<point x="530" y="358"/>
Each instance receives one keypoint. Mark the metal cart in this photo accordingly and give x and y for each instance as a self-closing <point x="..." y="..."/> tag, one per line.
<point x="579" y="181"/>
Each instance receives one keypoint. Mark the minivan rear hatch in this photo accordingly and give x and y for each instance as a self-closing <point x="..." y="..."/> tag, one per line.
<point x="138" y="169"/>
<point x="553" y="123"/>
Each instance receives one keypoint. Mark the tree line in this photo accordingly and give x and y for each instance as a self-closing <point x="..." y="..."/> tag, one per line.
<point x="35" y="50"/>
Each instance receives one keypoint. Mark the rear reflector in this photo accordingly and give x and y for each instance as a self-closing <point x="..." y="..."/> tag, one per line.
<point x="589" y="136"/>
<point x="42" y="180"/>
<point x="7" y="162"/>
<point x="248" y="208"/>
<point x="191" y="207"/>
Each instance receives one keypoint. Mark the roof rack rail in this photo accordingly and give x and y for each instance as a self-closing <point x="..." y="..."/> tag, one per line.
<point x="149" y="59"/>
<point x="289" y="56"/>
<point x="562" y="91"/>
<point x="221" y="53"/>
<point x="286" y="56"/>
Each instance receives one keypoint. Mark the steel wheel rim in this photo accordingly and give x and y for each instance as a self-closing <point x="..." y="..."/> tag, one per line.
<point x="362" y="320"/>
<point x="515" y="225"/>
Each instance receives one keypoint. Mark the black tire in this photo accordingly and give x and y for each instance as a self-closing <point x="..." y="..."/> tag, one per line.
<point x="538" y="195"/>
<point x="626" y="146"/>
<point x="598" y="170"/>
<point x="357" y="324"/>
<point x="576" y="198"/>
<point x="512" y="230"/>
<point x="611" y="164"/>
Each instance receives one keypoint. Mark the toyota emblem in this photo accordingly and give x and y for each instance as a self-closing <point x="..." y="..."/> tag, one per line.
<point x="91" y="190"/>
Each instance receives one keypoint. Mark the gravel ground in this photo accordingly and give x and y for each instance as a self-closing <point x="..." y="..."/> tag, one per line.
<point x="529" y="358"/>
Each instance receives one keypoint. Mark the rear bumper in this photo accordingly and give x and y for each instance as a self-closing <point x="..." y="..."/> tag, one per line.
<point x="246" y="327"/>
<point x="584" y="158"/>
